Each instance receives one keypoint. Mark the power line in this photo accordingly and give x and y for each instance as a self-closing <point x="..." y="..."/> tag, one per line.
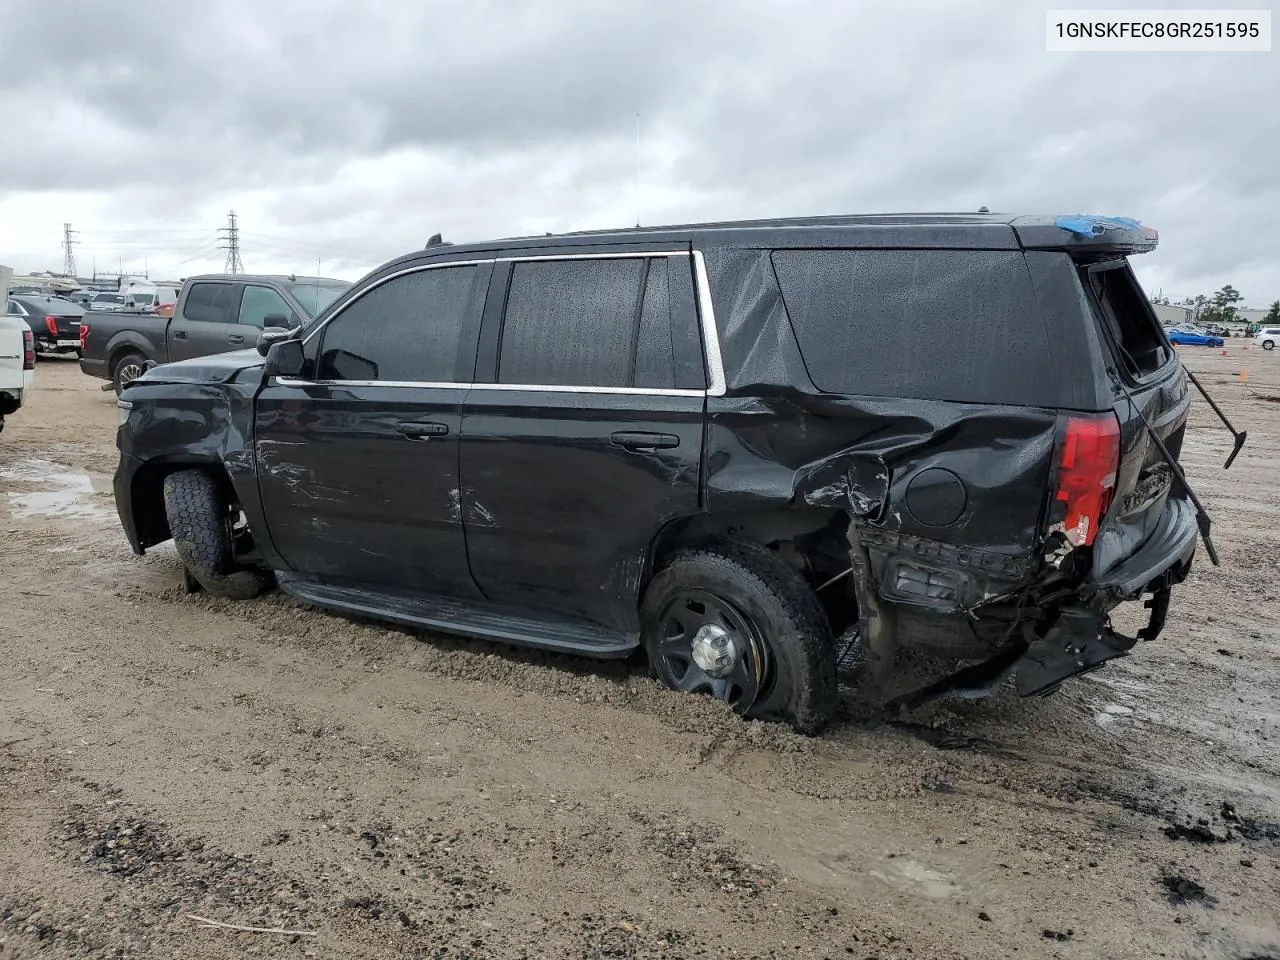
<point x="69" y="257"/>
<point x="232" y="246"/>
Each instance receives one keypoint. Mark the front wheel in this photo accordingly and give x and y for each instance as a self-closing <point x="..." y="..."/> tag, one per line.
<point x="201" y="523"/>
<point x="1268" y="344"/>
<point x="735" y="621"/>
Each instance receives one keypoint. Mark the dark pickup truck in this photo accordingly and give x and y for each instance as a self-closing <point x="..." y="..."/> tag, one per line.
<point x="213" y="314"/>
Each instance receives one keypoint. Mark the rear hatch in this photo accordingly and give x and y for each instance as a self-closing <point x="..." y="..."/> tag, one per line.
<point x="1148" y="377"/>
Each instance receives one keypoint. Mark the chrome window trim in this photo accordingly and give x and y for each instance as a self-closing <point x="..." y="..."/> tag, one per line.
<point x="706" y="320"/>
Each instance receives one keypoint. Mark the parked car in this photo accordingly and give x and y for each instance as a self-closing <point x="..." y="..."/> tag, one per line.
<point x="54" y="322"/>
<point x="701" y="442"/>
<point x="1267" y="337"/>
<point x="17" y="364"/>
<point x="148" y="297"/>
<point x="103" y="301"/>
<point x="1183" y="337"/>
<point x="213" y="314"/>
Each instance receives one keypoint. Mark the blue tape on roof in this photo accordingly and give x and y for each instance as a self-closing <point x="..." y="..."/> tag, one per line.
<point x="1093" y="226"/>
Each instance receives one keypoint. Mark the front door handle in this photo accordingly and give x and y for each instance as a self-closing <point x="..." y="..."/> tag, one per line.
<point x="235" y="338"/>
<point x="645" y="441"/>
<point x="179" y="334"/>
<point x="420" y="430"/>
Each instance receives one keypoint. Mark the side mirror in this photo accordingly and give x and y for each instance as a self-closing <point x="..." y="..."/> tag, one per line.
<point x="285" y="359"/>
<point x="272" y="334"/>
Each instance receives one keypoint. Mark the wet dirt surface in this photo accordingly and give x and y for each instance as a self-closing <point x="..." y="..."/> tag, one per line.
<point x="362" y="792"/>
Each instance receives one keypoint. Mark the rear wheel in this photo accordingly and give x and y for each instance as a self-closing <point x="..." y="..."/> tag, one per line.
<point x="735" y="621"/>
<point x="127" y="369"/>
<point x="202" y="525"/>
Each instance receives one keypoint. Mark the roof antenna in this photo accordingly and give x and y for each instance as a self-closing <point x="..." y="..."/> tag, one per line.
<point x="637" y="170"/>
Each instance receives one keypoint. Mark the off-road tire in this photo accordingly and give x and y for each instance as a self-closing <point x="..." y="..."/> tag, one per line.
<point x="783" y="609"/>
<point x="201" y="528"/>
<point x="122" y="363"/>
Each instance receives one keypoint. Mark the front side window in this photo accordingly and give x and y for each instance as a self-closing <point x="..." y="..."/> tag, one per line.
<point x="211" y="303"/>
<point x="258" y="303"/>
<point x="407" y="329"/>
<point x="604" y="322"/>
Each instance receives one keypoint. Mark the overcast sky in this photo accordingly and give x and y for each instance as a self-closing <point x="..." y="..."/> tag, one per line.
<point x="352" y="132"/>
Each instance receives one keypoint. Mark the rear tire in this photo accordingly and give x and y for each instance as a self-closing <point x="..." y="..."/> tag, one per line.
<point x="778" y="638"/>
<point x="128" y="368"/>
<point x="200" y="521"/>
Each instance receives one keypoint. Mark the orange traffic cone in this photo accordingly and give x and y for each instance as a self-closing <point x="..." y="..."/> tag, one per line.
<point x="1244" y="376"/>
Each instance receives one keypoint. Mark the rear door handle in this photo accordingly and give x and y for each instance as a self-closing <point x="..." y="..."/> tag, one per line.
<point x="179" y="334"/>
<point x="235" y="338"/>
<point x="419" y="430"/>
<point x="645" y="441"/>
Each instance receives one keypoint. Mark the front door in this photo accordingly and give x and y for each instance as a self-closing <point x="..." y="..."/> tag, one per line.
<point x="358" y="463"/>
<point x="588" y="437"/>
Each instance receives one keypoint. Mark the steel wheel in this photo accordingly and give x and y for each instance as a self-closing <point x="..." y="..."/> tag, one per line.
<point x="706" y="645"/>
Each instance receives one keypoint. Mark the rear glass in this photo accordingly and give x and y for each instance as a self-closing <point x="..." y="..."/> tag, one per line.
<point x="959" y="325"/>
<point x="1124" y="311"/>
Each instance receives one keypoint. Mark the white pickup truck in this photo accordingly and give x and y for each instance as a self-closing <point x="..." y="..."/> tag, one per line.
<point x="17" y="356"/>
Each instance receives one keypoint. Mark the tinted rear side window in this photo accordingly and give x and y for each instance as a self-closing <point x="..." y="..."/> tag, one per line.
<point x="609" y="322"/>
<point x="959" y="325"/>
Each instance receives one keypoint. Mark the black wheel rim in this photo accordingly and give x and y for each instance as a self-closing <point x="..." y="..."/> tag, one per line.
<point x="129" y="372"/>
<point x="696" y="623"/>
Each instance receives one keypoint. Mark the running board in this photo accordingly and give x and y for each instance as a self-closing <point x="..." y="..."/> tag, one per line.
<point x="478" y="619"/>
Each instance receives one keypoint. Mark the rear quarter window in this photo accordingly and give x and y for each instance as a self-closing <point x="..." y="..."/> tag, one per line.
<point x="957" y="325"/>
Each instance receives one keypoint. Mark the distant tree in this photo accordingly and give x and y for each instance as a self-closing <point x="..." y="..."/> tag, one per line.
<point x="1273" y="315"/>
<point x="1225" y="300"/>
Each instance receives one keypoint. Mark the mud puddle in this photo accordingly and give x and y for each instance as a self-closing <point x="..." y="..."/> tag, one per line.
<point x="61" y="492"/>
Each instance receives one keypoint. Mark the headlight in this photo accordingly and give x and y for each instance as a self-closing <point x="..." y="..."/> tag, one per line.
<point x="122" y="412"/>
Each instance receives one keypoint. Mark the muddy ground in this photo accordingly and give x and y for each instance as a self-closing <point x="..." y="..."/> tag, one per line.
<point x="377" y="794"/>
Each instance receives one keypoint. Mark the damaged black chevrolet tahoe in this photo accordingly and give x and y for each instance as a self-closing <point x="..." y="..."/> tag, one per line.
<point x="739" y="447"/>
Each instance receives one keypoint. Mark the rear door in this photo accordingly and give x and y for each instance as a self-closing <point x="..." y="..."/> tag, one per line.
<point x="358" y="463"/>
<point x="582" y="436"/>
<point x="206" y="322"/>
<point x="1147" y="378"/>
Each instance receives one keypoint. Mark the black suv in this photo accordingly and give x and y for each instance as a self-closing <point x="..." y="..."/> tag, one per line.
<point x="738" y="446"/>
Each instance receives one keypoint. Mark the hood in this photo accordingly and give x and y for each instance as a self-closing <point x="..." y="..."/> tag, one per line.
<point x="216" y="368"/>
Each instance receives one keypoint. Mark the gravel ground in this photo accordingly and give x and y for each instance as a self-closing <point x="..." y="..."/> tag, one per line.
<point x="368" y="792"/>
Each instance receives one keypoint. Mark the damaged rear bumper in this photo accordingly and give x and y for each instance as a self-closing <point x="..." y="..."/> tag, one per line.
<point x="1082" y="639"/>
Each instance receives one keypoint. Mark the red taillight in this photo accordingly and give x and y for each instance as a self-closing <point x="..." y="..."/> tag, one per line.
<point x="51" y="322"/>
<point x="1087" y="475"/>
<point x="84" y="337"/>
<point x="28" y="350"/>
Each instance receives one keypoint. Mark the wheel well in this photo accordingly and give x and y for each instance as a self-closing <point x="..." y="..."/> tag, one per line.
<point x="118" y="353"/>
<point x="147" y="496"/>
<point x="811" y="541"/>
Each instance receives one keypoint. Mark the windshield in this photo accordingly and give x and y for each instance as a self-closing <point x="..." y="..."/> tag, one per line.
<point x="144" y="298"/>
<point x="314" y="297"/>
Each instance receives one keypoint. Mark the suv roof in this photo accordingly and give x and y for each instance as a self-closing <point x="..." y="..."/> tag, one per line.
<point x="989" y="231"/>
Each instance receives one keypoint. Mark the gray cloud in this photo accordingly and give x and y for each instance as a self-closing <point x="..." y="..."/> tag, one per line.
<point x="350" y="134"/>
